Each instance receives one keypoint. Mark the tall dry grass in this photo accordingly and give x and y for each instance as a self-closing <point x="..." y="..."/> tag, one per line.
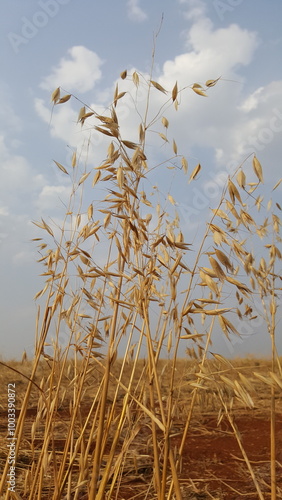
<point x="120" y="279"/>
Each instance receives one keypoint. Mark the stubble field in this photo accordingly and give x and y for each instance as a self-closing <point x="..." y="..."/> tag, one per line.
<point x="211" y="464"/>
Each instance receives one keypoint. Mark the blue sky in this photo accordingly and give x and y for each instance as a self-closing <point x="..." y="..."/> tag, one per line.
<point x="83" y="47"/>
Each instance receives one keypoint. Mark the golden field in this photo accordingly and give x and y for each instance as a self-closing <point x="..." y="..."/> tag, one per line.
<point x="211" y="465"/>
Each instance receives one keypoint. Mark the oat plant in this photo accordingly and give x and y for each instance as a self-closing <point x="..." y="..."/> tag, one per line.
<point x="121" y="282"/>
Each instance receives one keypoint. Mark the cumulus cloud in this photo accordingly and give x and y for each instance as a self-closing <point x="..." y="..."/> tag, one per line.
<point x="134" y="11"/>
<point x="221" y="51"/>
<point x="252" y="100"/>
<point x="220" y="123"/>
<point x="17" y="177"/>
<point x="64" y="120"/>
<point x="195" y="8"/>
<point x="86" y="140"/>
<point x="226" y="46"/>
<point x="79" y="72"/>
<point x="211" y="53"/>
<point x="53" y="197"/>
<point x="260" y="127"/>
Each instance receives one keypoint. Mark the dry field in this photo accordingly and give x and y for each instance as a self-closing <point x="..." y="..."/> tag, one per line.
<point x="211" y="465"/>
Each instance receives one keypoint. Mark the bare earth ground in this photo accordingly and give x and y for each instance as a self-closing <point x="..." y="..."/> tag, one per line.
<point x="212" y="465"/>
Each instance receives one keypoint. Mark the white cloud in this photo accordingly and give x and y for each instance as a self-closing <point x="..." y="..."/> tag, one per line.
<point x="259" y="128"/>
<point x="227" y="124"/>
<point x="225" y="46"/>
<point x="19" y="182"/>
<point x="17" y="176"/>
<point x="252" y="100"/>
<point x="64" y="126"/>
<point x="211" y="53"/>
<point x="220" y="123"/>
<point x="134" y="11"/>
<point x="77" y="73"/>
<point x="214" y="50"/>
<point x="209" y="122"/>
<point x="63" y="122"/>
<point x="4" y="211"/>
<point x="53" y="197"/>
<point x="195" y="8"/>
